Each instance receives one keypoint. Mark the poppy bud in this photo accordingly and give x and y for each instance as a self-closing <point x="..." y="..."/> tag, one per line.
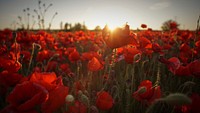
<point x="69" y="98"/>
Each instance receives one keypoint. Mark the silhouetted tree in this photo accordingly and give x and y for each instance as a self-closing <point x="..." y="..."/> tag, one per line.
<point x="170" y="25"/>
<point x="97" y="28"/>
<point x="66" y="26"/>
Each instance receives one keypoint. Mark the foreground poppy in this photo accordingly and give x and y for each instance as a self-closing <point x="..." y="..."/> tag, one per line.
<point x="104" y="100"/>
<point x="27" y="95"/>
<point x="8" y="78"/>
<point x="45" y="79"/>
<point x="146" y="92"/>
<point x="56" y="99"/>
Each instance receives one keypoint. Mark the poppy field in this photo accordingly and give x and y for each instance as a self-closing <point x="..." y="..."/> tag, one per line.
<point x="120" y="71"/>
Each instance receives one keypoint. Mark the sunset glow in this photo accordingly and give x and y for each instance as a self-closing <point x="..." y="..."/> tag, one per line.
<point x="101" y="12"/>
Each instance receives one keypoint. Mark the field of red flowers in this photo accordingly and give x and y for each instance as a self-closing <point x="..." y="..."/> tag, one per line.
<point x="121" y="71"/>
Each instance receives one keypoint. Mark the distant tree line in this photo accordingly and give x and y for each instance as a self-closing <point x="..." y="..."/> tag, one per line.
<point x="78" y="26"/>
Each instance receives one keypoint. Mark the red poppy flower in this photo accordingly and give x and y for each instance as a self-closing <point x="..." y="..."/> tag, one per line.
<point x="89" y="55"/>
<point x="8" y="78"/>
<point x="143" y="25"/>
<point x="9" y="65"/>
<point x="104" y="100"/>
<point x="167" y="46"/>
<point x="197" y="44"/>
<point x="194" y="68"/>
<point x="147" y="92"/>
<point x="74" y="56"/>
<point x="94" y="64"/>
<point x="185" y="35"/>
<point x="3" y="49"/>
<point x="130" y="53"/>
<point x="65" y="68"/>
<point x="147" y="86"/>
<point x="172" y="63"/>
<point x="117" y="38"/>
<point x="27" y="95"/>
<point x="157" y="48"/>
<point x="26" y="56"/>
<point x="77" y="107"/>
<point x="44" y="55"/>
<point x="44" y="79"/>
<point x="144" y="43"/>
<point x="51" y="66"/>
<point x="56" y="99"/>
<point x="183" y="71"/>
<point x="185" y="53"/>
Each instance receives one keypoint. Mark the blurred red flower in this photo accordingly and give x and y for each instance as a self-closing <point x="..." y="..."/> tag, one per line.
<point x="26" y="56"/>
<point x="185" y="53"/>
<point x="104" y="100"/>
<point x="45" y="79"/>
<point x="27" y="95"/>
<point x="74" y="56"/>
<point x="94" y="64"/>
<point x="130" y="53"/>
<point x="194" y="68"/>
<point x="9" y="79"/>
<point x="77" y="107"/>
<point x="56" y="99"/>
<point x="183" y="71"/>
<point x="172" y="63"/>
<point x="197" y="44"/>
<point x="89" y="55"/>
<point x="144" y="43"/>
<point x="157" y="48"/>
<point x="147" y="92"/>
<point x="44" y="55"/>
<point x="9" y="65"/>
<point x="65" y="68"/>
<point x="51" y="66"/>
<point x="143" y="25"/>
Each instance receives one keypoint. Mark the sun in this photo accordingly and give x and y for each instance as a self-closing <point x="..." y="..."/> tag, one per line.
<point x="110" y="17"/>
<point x="112" y="26"/>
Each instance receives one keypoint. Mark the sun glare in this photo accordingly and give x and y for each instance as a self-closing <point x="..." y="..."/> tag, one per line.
<point x="107" y="16"/>
<point x="112" y="26"/>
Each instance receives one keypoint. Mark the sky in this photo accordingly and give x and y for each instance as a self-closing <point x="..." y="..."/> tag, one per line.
<point x="114" y="13"/>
